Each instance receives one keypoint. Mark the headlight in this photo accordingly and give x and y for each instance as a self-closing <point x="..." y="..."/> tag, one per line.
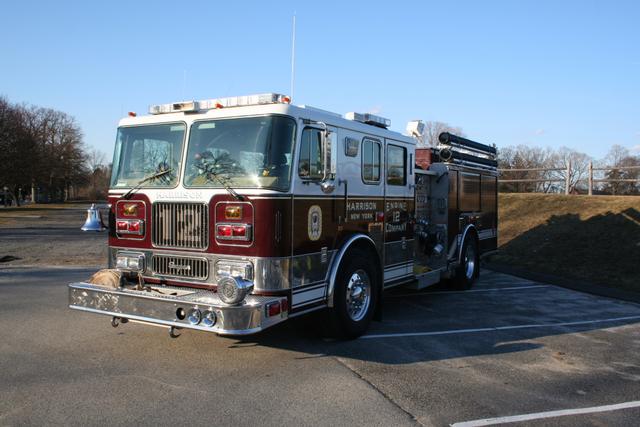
<point x="233" y="290"/>
<point x="242" y="269"/>
<point x="130" y="261"/>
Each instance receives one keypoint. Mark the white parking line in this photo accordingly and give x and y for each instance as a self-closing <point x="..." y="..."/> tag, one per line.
<point x="470" y="290"/>
<point x="498" y="328"/>
<point x="549" y="414"/>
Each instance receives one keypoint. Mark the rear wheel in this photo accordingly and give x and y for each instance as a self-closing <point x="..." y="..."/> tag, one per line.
<point x="355" y="296"/>
<point x="469" y="267"/>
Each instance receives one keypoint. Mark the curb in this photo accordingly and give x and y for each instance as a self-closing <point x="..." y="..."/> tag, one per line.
<point x="576" y="285"/>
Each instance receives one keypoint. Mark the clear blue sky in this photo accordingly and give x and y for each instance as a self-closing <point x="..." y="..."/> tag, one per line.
<point x="545" y="73"/>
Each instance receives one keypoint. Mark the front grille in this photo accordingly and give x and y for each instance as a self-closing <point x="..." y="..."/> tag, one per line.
<point x="177" y="266"/>
<point x="180" y="225"/>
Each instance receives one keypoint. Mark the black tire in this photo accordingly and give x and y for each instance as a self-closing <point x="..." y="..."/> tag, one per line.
<point x="355" y="296"/>
<point x="469" y="268"/>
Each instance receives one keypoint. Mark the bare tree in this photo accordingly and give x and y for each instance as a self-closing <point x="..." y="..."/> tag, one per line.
<point x="525" y="157"/>
<point x="620" y="157"/>
<point x="95" y="159"/>
<point x="99" y="175"/>
<point x="432" y="129"/>
<point x="616" y="154"/>
<point x="40" y="148"/>
<point x="17" y="149"/>
<point x="579" y="167"/>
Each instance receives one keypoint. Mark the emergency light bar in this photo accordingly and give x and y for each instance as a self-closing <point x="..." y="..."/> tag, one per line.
<point x="369" y="119"/>
<point x="211" y="104"/>
<point x="174" y="107"/>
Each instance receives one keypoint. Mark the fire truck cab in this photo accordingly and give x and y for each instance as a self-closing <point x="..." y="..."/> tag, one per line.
<point x="231" y="215"/>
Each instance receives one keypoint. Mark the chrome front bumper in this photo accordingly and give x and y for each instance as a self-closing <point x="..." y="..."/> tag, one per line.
<point x="160" y="307"/>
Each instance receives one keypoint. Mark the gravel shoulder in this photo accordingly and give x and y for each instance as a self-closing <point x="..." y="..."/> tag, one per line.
<point x="49" y="235"/>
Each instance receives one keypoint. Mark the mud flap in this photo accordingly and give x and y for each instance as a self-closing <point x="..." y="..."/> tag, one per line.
<point x="377" y="314"/>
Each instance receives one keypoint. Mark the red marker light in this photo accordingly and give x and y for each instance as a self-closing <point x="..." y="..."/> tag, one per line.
<point x="132" y="114"/>
<point x="134" y="227"/>
<point x="239" y="231"/>
<point x="130" y="227"/>
<point x="218" y="105"/>
<point x="225" y="231"/>
<point x="286" y="99"/>
<point x="273" y="309"/>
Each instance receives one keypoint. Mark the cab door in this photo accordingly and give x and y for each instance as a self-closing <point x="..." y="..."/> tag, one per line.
<point x="315" y="219"/>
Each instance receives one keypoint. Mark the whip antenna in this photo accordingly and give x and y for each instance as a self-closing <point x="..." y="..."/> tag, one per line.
<point x="293" y="55"/>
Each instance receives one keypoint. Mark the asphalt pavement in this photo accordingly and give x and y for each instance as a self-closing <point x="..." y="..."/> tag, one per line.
<point x="510" y="348"/>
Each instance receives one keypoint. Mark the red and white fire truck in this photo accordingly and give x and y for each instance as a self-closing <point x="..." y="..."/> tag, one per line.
<point x="232" y="215"/>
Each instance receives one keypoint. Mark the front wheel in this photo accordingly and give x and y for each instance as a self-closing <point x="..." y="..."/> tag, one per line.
<point x="355" y="297"/>
<point x="469" y="267"/>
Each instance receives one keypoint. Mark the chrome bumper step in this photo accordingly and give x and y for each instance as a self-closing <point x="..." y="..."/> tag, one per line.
<point x="162" y="305"/>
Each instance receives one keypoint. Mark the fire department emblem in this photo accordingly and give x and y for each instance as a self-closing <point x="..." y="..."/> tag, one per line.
<point x="314" y="224"/>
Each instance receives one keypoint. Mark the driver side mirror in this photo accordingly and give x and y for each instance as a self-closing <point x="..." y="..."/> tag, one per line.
<point x="330" y="160"/>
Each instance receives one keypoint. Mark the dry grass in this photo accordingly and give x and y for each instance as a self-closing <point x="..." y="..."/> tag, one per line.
<point x="596" y="238"/>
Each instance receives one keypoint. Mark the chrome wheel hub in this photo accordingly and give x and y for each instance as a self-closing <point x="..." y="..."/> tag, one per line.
<point x="469" y="262"/>
<point x="358" y="295"/>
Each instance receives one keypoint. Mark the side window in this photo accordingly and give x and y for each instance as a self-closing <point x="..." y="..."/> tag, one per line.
<point x="310" y="163"/>
<point x="370" y="161"/>
<point x="396" y="165"/>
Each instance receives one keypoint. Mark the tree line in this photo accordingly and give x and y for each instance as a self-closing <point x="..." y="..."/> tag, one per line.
<point x="622" y="181"/>
<point x="43" y="156"/>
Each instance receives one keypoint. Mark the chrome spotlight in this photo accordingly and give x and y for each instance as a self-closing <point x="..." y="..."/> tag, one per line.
<point x="209" y="318"/>
<point x="233" y="290"/>
<point x="195" y="316"/>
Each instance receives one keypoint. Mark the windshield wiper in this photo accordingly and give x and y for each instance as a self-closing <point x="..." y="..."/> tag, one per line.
<point x="128" y="194"/>
<point x="224" y="182"/>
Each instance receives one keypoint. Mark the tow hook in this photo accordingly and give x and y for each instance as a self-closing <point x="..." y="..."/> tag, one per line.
<point x="174" y="332"/>
<point x="115" y="321"/>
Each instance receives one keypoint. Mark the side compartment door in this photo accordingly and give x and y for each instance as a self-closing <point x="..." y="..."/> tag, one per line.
<point x="363" y="173"/>
<point x="398" y="228"/>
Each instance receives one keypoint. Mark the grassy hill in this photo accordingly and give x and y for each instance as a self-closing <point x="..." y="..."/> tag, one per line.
<point x="595" y="238"/>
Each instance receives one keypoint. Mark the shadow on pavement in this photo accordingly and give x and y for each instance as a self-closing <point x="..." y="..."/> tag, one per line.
<point x="302" y="335"/>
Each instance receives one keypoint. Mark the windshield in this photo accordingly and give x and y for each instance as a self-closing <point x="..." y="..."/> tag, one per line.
<point x="142" y="151"/>
<point x="251" y="152"/>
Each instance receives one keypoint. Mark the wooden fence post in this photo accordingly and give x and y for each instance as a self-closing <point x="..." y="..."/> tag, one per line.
<point x="591" y="178"/>
<point x="568" y="178"/>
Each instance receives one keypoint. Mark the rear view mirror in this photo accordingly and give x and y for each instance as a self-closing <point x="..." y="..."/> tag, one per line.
<point x="330" y="160"/>
<point x="330" y="154"/>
